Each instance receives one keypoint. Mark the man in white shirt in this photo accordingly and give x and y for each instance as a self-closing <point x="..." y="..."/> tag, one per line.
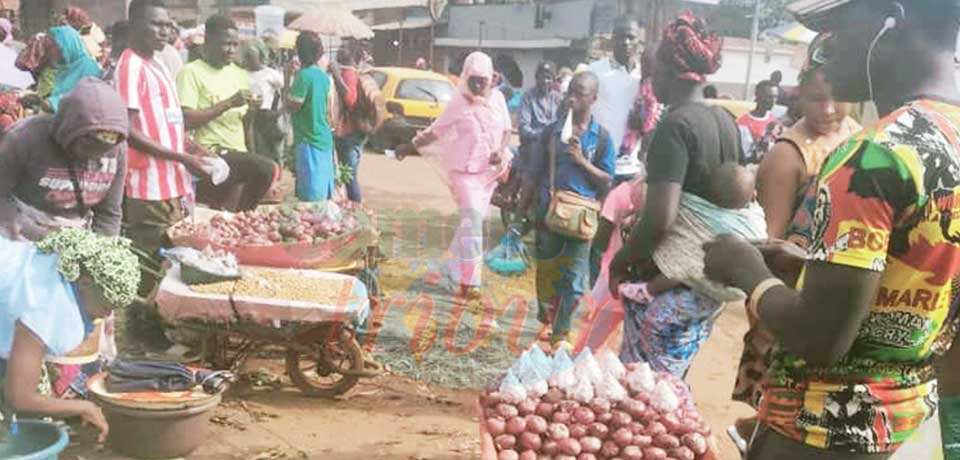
<point x="619" y="82"/>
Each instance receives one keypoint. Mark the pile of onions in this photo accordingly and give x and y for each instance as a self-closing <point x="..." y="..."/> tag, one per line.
<point x="639" y="427"/>
<point x="267" y="227"/>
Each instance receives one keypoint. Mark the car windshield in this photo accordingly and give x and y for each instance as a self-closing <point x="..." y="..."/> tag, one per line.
<point x="425" y="90"/>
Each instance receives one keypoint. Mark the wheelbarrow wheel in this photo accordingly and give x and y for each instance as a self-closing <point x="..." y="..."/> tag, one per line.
<point x="330" y="367"/>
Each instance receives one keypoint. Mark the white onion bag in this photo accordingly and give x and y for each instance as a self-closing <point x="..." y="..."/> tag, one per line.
<point x="511" y="390"/>
<point x="641" y="379"/>
<point x="587" y="368"/>
<point x="663" y="398"/>
<point x="610" y="364"/>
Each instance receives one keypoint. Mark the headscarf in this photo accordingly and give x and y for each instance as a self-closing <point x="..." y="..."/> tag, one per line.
<point x="77" y="18"/>
<point x="7" y="27"/>
<point x="813" y="56"/>
<point x="75" y="63"/>
<point x="693" y="52"/>
<point x="477" y="64"/>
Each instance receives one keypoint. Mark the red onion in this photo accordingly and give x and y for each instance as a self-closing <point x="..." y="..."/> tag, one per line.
<point x="577" y="430"/>
<point x="682" y="453"/>
<point x="569" y="405"/>
<point x="505" y="441"/>
<point x="569" y="446"/>
<point x="600" y="405"/>
<point x="656" y="428"/>
<point x="528" y="455"/>
<point x="507" y="411"/>
<point x="527" y="407"/>
<point x="642" y="440"/>
<point x="553" y="396"/>
<point x="635" y="408"/>
<point x="530" y="441"/>
<point x="583" y="415"/>
<point x="536" y="424"/>
<point x="544" y="409"/>
<point x="508" y="455"/>
<point x="636" y="428"/>
<point x="609" y="449"/>
<point x="516" y="425"/>
<point x="654" y="453"/>
<point x="650" y="416"/>
<point x="623" y="437"/>
<point x="496" y="426"/>
<point x="491" y="399"/>
<point x="666" y="441"/>
<point x="620" y="419"/>
<point x="586" y="456"/>
<point x="558" y="432"/>
<point x="590" y="444"/>
<point x="696" y="442"/>
<point x="671" y="422"/>
<point x="605" y="417"/>
<point x="599" y="430"/>
<point x="632" y="453"/>
<point x="561" y="417"/>
<point x="549" y="447"/>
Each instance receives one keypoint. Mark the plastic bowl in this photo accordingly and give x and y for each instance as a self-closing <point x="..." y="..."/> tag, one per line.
<point x="156" y="434"/>
<point x="35" y="440"/>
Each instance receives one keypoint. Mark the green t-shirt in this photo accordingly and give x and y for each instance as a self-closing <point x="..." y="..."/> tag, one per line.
<point x="312" y="87"/>
<point x="201" y="86"/>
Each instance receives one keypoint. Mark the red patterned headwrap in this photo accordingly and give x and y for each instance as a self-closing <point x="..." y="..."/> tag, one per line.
<point x="77" y="18"/>
<point x="693" y="52"/>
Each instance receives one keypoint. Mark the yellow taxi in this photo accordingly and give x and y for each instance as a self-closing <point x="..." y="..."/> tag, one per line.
<point x="414" y="99"/>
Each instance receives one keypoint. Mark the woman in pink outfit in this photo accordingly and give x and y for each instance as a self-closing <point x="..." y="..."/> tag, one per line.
<point x="468" y="143"/>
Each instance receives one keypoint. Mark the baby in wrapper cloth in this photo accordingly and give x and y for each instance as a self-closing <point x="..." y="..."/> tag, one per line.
<point x="678" y="259"/>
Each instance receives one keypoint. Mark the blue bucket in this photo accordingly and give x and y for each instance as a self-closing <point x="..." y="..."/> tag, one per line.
<point x="35" y="440"/>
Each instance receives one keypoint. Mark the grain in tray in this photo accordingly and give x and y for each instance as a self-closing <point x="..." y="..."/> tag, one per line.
<point x="265" y="283"/>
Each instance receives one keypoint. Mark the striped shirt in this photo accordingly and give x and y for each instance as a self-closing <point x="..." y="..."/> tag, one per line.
<point x="147" y="87"/>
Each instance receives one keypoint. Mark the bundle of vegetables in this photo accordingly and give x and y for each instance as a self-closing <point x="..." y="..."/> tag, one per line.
<point x="592" y="408"/>
<point x="301" y="224"/>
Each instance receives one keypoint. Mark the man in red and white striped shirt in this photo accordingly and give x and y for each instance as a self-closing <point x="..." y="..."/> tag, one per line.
<point x="159" y="184"/>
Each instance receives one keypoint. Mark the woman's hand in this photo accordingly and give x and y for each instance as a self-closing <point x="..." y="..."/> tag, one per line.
<point x="785" y="258"/>
<point x="619" y="271"/>
<point x="733" y="261"/>
<point x="92" y="415"/>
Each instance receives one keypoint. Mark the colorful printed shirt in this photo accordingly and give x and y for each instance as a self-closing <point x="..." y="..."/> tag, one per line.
<point x="886" y="201"/>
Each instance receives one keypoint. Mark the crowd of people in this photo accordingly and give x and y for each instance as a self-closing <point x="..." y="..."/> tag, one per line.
<point x="123" y="136"/>
<point x="653" y="208"/>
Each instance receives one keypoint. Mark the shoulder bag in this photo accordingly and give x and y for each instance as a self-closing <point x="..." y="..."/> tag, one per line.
<point x="571" y="214"/>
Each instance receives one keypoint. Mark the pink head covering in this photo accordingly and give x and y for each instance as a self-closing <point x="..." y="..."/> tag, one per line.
<point x="477" y="64"/>
<point x="7" y="27"/>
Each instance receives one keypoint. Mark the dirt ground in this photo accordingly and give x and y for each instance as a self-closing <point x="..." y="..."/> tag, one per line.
<point x="395" y="417"/>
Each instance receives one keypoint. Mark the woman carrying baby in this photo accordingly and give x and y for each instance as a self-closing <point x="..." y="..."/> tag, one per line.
<point x="695" y="189"/>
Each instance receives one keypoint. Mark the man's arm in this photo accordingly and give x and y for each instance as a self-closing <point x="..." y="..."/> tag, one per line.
<point x="297" y="93"/>
<point x="196" y="118"/>
<point x="108" y="213"/>
<point x="189" y="91"/>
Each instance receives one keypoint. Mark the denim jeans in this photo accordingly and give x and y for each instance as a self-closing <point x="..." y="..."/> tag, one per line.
<point x="349" y="150"/>
<point x="563" y="271"/>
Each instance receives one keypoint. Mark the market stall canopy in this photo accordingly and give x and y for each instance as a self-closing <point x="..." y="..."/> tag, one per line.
<point x="792" y="32"/>
<point x="332" y="23"/>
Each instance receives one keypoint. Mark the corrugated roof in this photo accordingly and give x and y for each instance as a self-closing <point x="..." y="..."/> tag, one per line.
<point x="300" y="6"/>
<point x="411" y="23"/>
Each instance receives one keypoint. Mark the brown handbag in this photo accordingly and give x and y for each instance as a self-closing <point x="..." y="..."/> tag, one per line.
<point x="571" y="214"/>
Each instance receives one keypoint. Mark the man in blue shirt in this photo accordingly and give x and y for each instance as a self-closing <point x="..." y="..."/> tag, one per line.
<point x="538" y="109"/>
<point x="585" y="165"/>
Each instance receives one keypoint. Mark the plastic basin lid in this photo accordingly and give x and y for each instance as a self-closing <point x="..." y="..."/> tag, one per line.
<point x="153" y="400"/>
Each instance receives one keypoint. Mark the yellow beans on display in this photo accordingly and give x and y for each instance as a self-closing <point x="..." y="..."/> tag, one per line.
<point x="266" y="283"/>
